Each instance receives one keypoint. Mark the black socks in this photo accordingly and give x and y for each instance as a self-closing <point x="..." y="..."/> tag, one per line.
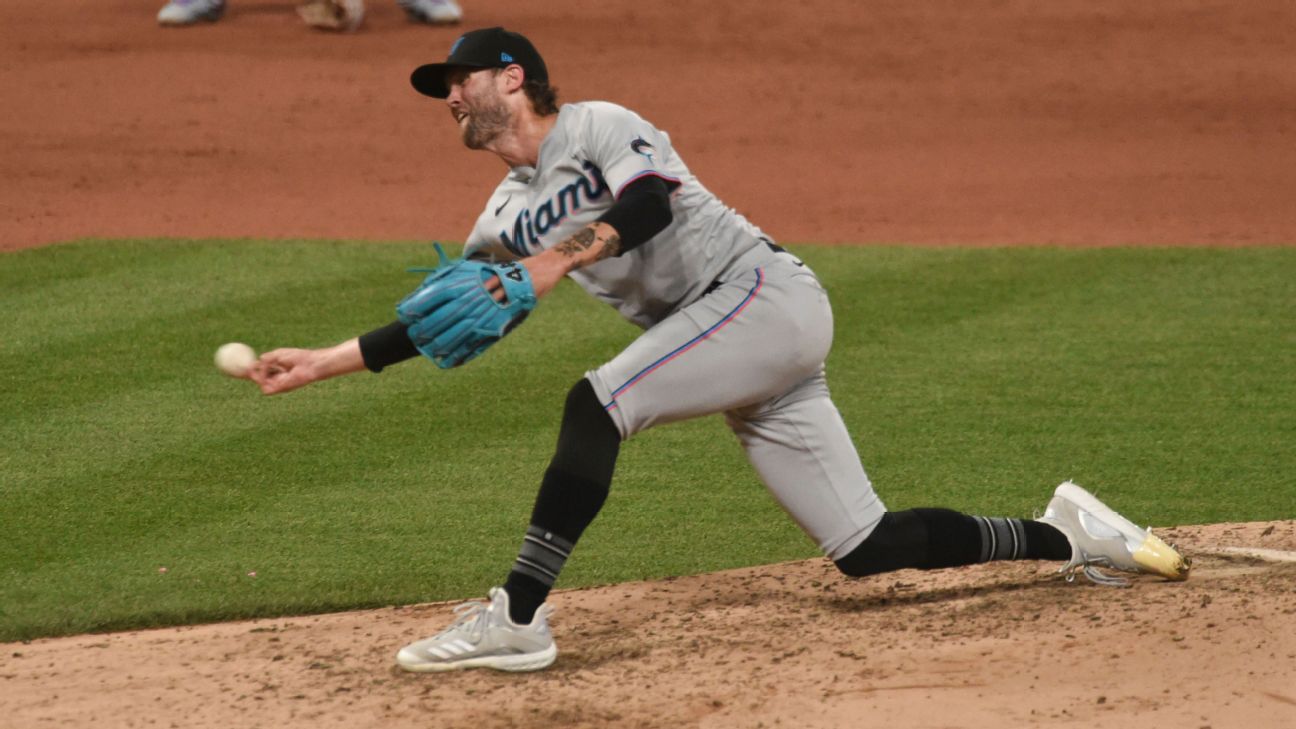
<point x="937" y="538"/>
<point x="571" y="495"/>
<point x="565" y="506"/>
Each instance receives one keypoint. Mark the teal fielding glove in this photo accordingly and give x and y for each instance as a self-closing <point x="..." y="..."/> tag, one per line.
<point x="452" y="317"/>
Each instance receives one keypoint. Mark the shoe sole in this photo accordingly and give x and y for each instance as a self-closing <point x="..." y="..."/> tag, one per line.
<point x="512" y="664"/>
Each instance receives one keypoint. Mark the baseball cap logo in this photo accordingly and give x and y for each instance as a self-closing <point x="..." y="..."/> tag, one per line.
<point x="506" y="58"/>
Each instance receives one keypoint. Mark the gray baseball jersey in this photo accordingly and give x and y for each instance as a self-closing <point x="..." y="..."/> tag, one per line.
<point x="734" y="325"/>
<point x="594" y="151"/>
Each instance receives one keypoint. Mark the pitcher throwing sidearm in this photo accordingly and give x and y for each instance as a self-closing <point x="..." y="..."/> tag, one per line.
<point x="732" y="324"/>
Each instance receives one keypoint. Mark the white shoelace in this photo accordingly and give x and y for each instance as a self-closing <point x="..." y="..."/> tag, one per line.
<point x="1095" y="575"/>
<point x="471" y="620"/>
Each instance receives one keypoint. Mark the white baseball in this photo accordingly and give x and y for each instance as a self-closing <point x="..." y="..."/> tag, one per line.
<point x="235" y="358"/>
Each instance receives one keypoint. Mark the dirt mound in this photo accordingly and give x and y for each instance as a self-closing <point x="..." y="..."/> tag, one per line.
<point x="792" y="645"/>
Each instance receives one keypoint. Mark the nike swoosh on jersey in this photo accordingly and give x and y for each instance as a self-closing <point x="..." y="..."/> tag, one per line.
<point x="501" y="207"/>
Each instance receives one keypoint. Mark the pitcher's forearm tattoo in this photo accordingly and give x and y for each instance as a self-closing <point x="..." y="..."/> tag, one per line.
<point x="578" y="243"/>
<point x="611" y="246"/>
<point x="584" y="239"/>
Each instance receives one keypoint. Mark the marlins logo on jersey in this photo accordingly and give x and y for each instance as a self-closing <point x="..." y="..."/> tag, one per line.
<point x="639" y="146"/>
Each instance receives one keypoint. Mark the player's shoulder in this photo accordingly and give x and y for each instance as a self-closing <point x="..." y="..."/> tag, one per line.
<point x="597" y="107"/>
<point x="584" y="113"/>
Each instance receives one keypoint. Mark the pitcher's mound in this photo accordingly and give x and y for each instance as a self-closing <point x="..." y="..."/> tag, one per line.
<point x="791" y="645"/>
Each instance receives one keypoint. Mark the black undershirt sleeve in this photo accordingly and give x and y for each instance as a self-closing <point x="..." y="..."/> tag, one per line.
<point x="642" y="211"/>
<point x="386" y="346"/>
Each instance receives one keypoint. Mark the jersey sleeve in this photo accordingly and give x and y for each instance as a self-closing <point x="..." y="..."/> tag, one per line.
<point x="626" y="147"/>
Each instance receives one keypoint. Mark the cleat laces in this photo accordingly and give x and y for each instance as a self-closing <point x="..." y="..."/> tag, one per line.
<point x="471" y="621"/>
<point x="1095" y="575"/>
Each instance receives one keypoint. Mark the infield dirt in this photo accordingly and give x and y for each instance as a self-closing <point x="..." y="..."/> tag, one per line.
<point x="1070" y="122"/>
<point x="788" y="645"/>
<point x="1073" y="123"/>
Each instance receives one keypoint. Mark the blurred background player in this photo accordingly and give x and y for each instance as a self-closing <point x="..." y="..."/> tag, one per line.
<point x="190" y="12"/>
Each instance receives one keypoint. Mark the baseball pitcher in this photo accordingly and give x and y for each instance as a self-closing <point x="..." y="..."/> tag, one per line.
<point x="732" y="323"/>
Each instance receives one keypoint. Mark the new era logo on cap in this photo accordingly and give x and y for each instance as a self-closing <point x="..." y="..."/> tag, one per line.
<point x="506" y="58"/>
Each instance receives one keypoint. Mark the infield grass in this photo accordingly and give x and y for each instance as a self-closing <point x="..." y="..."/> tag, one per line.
<point x="976" y="379"/>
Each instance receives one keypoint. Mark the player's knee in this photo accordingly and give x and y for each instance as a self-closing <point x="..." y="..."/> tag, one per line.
<point x="585" y="415"/>
<point x="896" y="543"/>
<point x="582" y="400"/>
<point x="588" y="441"/>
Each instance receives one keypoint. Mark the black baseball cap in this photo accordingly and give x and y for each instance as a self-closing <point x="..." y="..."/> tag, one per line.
<point x="484" y="48"/>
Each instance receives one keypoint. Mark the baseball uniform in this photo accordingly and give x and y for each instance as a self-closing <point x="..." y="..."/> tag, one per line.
<point x="733" y="324"/>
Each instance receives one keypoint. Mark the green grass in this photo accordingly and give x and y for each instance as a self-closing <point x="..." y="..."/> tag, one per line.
<point x="976" y="379"/>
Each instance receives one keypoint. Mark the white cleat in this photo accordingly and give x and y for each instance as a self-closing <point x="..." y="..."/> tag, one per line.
<point x="189" y="12"/>
<point x="1101" y="537"/>
<point x="433" y="12"/>
<point x="483" y="636"/>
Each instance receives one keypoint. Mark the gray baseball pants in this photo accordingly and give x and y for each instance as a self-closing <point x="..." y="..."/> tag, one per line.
<point x="754" y="349"/>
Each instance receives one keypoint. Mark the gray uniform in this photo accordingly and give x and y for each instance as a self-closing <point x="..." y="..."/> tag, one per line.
<point x="732" y="325"/>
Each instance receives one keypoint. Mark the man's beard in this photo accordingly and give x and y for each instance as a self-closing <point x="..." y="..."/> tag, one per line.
<point x="486" y="122"/>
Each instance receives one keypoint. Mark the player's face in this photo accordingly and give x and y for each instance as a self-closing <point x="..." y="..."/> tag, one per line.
<point x="477" y="106"/>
